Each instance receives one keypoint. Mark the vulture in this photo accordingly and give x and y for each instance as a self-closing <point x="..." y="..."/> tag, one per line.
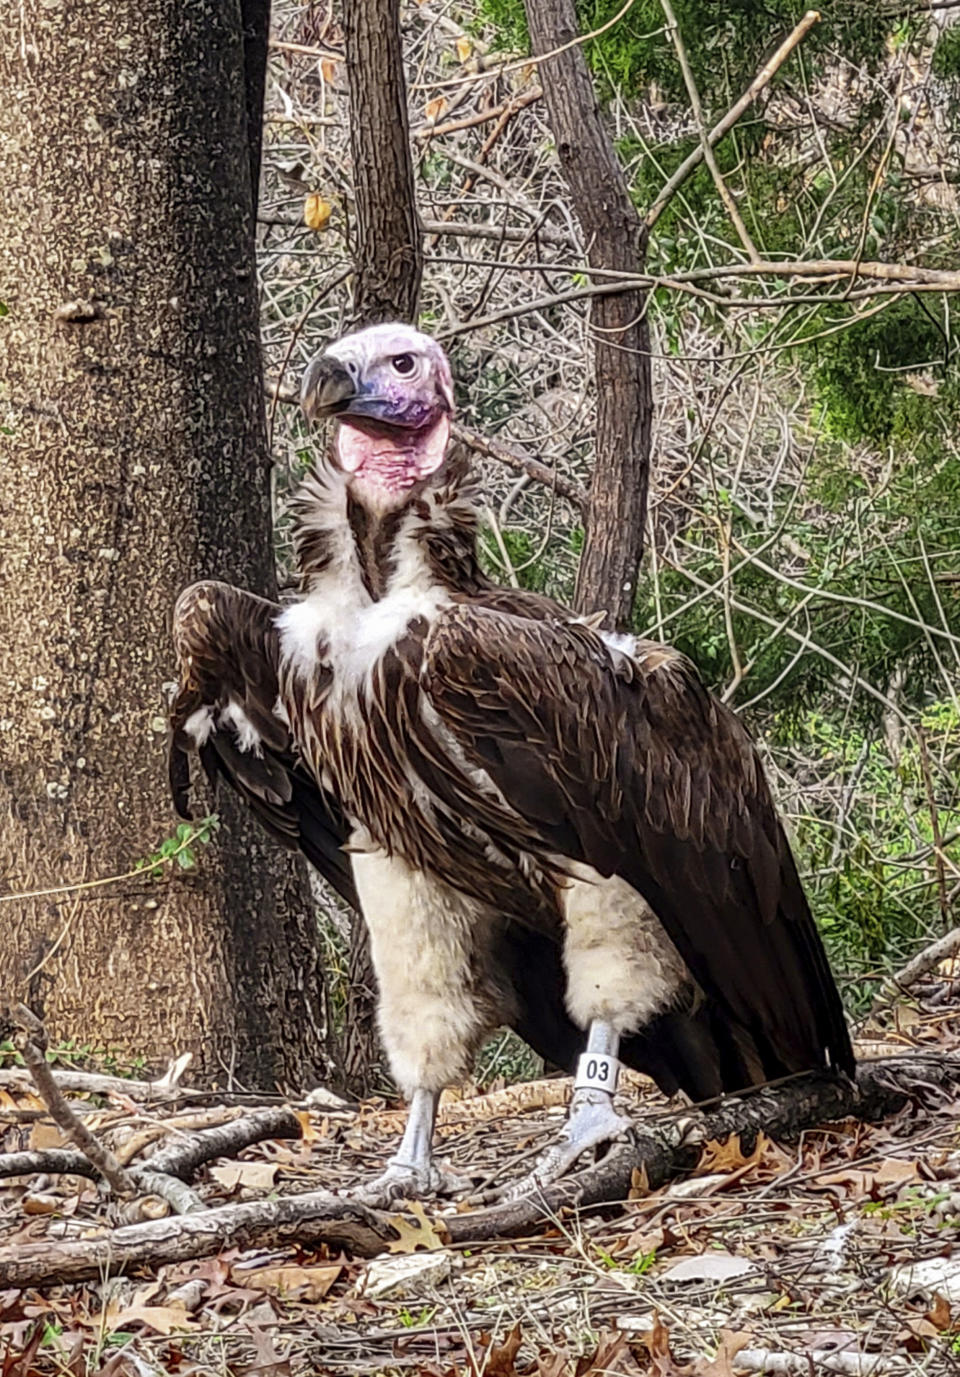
<point x="545" y="825"/>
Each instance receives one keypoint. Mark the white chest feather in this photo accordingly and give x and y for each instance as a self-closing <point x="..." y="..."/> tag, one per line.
<point x="340" y="627"/>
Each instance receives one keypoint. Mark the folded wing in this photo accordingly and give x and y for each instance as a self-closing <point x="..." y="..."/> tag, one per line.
<point x="227" y="710"/>
<point x="626" y="763"/>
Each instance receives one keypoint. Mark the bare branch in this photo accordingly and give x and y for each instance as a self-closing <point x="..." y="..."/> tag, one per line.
<point x="722" y="126"/>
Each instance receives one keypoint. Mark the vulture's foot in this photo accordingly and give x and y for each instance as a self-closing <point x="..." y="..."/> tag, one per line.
<point x="408" y="1181"/>
<point x="592" y="1121"/>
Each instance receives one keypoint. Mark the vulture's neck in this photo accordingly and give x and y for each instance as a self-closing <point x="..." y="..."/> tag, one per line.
<point x="431" y="541"/>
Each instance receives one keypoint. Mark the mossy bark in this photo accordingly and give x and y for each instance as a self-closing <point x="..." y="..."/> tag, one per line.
<point x="134" y="461"/>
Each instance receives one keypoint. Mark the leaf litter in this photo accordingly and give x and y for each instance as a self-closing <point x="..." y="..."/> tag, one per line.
<point x="840" y="1250"/>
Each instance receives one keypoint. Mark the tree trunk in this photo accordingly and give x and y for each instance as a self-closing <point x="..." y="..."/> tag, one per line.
<point x="388" y="261"/>
<point x="615" y="240"/>
<point x="387" y="250"/>
<point x="255" y="18"/>
<point x="136" y="462"/>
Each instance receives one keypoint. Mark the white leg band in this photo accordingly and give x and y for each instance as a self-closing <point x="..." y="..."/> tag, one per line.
<point x="597" y="1071"/>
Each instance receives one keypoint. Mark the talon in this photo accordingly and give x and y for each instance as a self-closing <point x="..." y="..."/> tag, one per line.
<point x="592" y="1121"/>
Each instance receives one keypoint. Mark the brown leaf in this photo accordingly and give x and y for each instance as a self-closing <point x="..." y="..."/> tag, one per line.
<point x="435" y="108"/>
<point x="427" y="1233"/>
<point x="731" y="1342"/>
<point x="45" y="1135"/>
<point x="163" y="1319"/>
<point x="611" y="1355"/>
<point x="498" y="1360"/>
<point x="308" y="1133"/>
<point x="657" y="1344"/>
<point x="639" y="1183"/>
<point x="939" y="1312"/>
<point x="728" y="1156"/>
<point x="290" y="1281"/>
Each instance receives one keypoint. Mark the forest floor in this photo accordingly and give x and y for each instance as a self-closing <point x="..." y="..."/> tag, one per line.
<point x="836" y="1253"/>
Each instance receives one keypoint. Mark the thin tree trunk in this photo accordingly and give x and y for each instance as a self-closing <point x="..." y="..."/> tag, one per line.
<point x="135" y="461"/>
<point x="615" y="240"/>
<point x="388" y="254"/>
<point x="388" y="259"/>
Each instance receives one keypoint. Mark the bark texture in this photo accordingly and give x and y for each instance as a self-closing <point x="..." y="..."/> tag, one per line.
<point x="615" y="240"/>
<point x="388" y="254"/>
<point x="134" y="462"/>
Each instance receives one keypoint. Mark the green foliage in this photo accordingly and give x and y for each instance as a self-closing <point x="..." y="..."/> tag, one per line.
<point x="726" y="44"/>
<point x="180" y="849"/>
<point x="863" y="376"/>
<point x="874" y="889"/>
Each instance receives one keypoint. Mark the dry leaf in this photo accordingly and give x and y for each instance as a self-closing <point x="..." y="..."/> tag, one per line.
<point x="308" y="1133"/>
<point x="435" y="108"/>
<point x="723" y="1365"/>
<point x="939" y="1312"/>
<point x="290" y="1281"/>
<point x="727" y="1156"/>
<point x="499" y="1361"/>
<point x="258" y="1176"/>
<point x="164" y="1319"/>
<point x="713" y="1266"/>
<point x="657" y="1344"/>
<point x="316" y="212"/>
<point x="639" y="1183"/>
<point x="46" y="1135"/>
<point x="427" y="1233"/>
<point x="328" y="68"/>
<point x="464" y="47"/>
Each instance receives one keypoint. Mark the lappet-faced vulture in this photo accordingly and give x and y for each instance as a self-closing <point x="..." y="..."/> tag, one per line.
<point x="549" y="826"/>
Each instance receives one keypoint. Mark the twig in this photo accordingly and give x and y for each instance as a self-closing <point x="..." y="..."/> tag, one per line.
<point x="522" y="463"/>
<point x="766" y="72"/>
<point x="100" y="1157"/>
<point x="433" y="131"/>
<point x="705" y="144"/>
<point x="938" y="857"/>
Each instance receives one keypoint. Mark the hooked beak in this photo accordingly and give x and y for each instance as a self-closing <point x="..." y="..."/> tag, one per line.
<point x="327" y="388"/>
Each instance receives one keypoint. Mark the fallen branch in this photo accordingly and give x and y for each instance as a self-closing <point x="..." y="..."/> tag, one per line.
<point x="925" y="961"/>
<point x="312" y="1219"/>
<point x="669" y="1150"/>
<point x="658" y="1153"/>
<point x="180" y="1159"/>
<point x="184" y="1157"/>
<point x="31" y="1043"/>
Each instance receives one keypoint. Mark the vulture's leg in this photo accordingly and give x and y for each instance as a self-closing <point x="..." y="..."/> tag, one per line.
<point x="591" y="1119"/>
<point x="438" y="1000"/>
<point x="622" y="970"/>
<point x="411" y="1170"/>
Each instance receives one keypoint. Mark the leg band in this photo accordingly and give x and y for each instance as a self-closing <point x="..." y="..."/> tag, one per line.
<point x="597" y="1071"/>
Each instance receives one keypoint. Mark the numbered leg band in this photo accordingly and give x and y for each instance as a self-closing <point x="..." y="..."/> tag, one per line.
<point x="597" y="1071"/>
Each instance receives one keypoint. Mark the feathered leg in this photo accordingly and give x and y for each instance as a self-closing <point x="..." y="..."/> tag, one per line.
<point x="439" y="997"/>
<point x="622" y="970"/>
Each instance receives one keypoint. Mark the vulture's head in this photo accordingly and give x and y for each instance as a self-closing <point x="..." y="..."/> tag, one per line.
<point x="390" y="390"/>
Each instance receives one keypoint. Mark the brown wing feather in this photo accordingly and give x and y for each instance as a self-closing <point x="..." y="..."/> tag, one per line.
<point x="228" y="652"/>
<point x="631" y="766"/>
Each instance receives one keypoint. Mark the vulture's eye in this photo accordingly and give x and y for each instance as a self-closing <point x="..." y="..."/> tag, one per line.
<point x="403" y="364"/>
